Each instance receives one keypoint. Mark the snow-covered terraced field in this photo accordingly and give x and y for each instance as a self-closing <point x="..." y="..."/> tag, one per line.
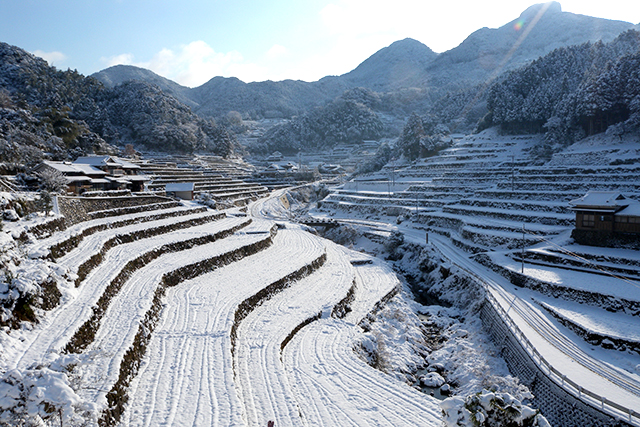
<point x="127" y="310"/>
<point x="40" y="247"/>
<point x="494" y="203"/>
<point x="333" y="386"/>
<point x="57" y="328"/>
<point x="189" y="375"/>
<point x="260" y="373"/>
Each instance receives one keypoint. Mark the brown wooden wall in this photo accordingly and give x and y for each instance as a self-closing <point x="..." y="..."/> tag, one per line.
<point x="607" y="222"/>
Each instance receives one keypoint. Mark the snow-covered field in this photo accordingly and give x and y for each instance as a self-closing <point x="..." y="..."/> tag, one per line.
<point x="486" y="199"/>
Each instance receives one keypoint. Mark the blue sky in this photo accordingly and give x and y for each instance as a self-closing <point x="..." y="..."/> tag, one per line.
<point x="192" y="41"/>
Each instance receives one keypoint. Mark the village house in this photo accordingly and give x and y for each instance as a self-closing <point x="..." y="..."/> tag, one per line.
<point x="79" y="178"/>
<point x="96" y="173"/>
<point x="120" y="173"/>
<point x="180" y="190"/>
<point x="605" y="216"/>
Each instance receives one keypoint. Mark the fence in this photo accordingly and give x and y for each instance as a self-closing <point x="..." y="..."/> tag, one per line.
<point x="594" y="400"/>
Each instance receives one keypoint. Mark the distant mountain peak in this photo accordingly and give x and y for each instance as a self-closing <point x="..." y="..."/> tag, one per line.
<point x="118" y="74"/>
<point x="532" y="11"/>
<point x="401" y="64"/>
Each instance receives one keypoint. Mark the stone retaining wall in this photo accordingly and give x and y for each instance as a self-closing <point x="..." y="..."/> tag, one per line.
<point x="561" y="408"/>
<point x="76" y="209"/>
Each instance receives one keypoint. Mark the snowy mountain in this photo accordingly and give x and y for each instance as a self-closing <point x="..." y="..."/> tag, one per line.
<point x="404" y="64"/>
<point x="52" y="114"/>
<point x="118" y="74"/>
<point x="262" y="99"/>
<point x="397" y="66"/>
<point x="536" y="32"/>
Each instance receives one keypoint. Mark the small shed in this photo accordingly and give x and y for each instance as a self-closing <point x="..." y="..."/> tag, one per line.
<point x="180" y="190"/>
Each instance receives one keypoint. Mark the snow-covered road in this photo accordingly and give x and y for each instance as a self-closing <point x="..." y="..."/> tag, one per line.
<point x="559" y="351"/>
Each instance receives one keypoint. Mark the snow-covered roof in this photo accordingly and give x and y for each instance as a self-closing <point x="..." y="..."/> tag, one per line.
<point x="601" y="200"/>
<point x="125" y="164"/>
<point x="106" y="161"/>
<point x="61" y="167"/>
<point x="119" y="179"/>
<point x="180" y="186"/>
<point x="138" y="178"/>
<point x="632" y="210"/>
<point x="93" y="160"/>
<point x="77" y="178"/>
<point x="71" y="169"/>
<point x="88" y="169"/>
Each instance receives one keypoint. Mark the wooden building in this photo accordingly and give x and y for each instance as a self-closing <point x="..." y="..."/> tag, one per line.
<point x="605" y="217"/>
<point x="120" y="173"/>
<point x="97" y="173"/>
<point x="79" y="178"/>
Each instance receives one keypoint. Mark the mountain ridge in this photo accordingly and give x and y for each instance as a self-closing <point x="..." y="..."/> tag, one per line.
<point x="404" y="64"/>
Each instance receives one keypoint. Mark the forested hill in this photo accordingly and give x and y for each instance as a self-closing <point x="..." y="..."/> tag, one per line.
<point x="48" y="113"/>
<point x="571" y="93"/>
<point x="349" y="118"/>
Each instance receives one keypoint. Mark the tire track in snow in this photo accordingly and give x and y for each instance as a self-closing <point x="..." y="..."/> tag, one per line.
<point x="129" y="308"/>
<point x="260" y="375"/>
<point x="334" y="386"/>
<point x="94" y="243"/>
<point x="211" y="312"/>
<point x="98" y="225"/>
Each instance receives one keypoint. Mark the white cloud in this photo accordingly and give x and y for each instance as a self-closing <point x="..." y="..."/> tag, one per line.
<point x="194" y="64"/>
<point x="277" y="51"/>
<point x="122" y="59"/>
<point x="439" y="25"/>
<point x="53" y="58"/>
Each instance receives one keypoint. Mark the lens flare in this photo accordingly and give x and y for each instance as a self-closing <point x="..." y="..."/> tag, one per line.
<point x="519" y="24"/>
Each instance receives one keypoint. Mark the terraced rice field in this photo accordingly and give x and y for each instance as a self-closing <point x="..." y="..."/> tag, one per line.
<point x="188" y="316"/>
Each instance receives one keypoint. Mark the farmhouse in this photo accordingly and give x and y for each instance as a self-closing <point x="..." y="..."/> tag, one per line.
<point x="78" y="178"/>
<point x="120" y="173"/>
<point x="96" y="173"/>
<point x="603" y="217"/>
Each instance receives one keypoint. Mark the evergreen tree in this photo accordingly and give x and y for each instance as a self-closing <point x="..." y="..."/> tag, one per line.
<point x="409" y="142"/>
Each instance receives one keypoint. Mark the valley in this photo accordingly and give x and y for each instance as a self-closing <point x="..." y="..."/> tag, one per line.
<point x="439" y="239"/>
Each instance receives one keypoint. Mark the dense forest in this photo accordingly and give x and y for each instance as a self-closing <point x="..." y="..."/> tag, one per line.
<point x="571" y="93"/>
<point x="46" y="113"/>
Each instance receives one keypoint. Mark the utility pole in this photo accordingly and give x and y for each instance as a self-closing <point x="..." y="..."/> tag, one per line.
<point x="393" y="172"/>
<point x="512" y="172"/>
<point x="522" y="256"/>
